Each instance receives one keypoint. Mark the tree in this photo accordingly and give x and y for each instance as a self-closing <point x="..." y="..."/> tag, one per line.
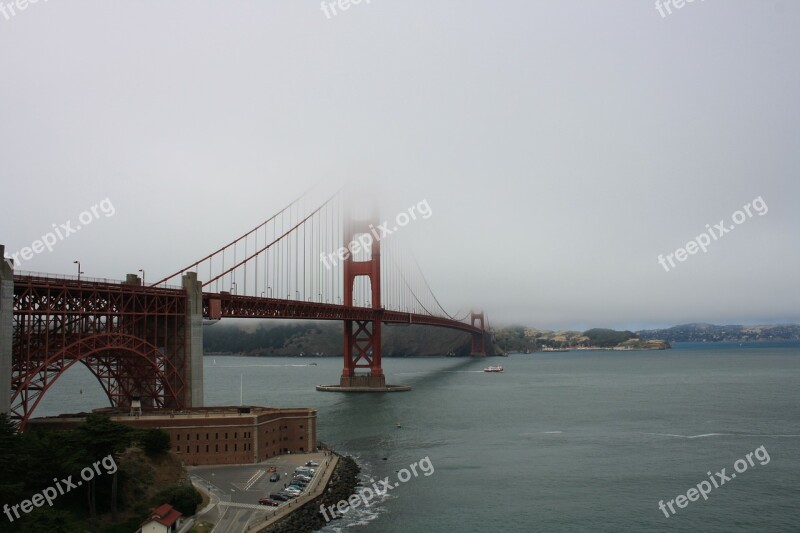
<point x="608" y="337"/>
<point x="184" y="498"/>
<point x="12" y="464"/>
<point x="154" y="441"/>
<point x="97" y="438"/>
<point x="50" y="520"/>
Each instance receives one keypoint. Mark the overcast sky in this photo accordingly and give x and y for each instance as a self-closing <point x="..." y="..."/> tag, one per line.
<point x="561" y="145"/>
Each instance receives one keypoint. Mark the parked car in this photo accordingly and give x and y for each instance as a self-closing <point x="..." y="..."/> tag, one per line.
<point x="287" y="495"/>
<point x="302" y="476"/>
<point x="312" y="463"/>
<point x="279" y="497"/>
<point x="267" y="501"/>
<point x="274" y="477"/>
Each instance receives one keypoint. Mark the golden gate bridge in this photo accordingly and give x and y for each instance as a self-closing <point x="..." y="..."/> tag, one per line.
<point x="143" y="341"/>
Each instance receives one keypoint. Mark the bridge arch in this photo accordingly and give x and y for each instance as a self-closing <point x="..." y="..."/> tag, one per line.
<point x="125" y="366"/>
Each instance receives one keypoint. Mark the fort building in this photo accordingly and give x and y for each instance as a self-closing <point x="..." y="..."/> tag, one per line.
<point x="216" y="435"/>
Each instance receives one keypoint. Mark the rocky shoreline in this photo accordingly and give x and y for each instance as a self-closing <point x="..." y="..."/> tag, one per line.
<point x="308" y="518"/>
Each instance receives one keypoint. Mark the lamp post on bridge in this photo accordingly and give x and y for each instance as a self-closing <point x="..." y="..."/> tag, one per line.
<point x="79" y="269"/>
<point x="142" y="271"/>
<point x="269" y="292"/>
<point x="233" y="287"/>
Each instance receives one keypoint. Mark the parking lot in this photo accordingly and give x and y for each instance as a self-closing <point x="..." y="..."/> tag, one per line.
<point x="245" y="484"/>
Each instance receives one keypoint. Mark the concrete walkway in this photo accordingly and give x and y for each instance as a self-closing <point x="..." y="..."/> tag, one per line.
<point x="317" y="486"/>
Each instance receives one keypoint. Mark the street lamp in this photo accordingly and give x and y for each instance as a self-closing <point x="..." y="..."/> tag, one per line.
<point x="269" y="292"/>
<point x="79" y="269"/>
<point x="142" y="271"/>
<point x="233" y="287"/>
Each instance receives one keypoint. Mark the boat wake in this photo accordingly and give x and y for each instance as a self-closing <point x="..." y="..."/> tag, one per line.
<point x="259" y="366"/>
<point x="704" y="435"/>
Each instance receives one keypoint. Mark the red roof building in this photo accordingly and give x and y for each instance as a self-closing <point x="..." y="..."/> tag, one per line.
<point x="164" y="519"/>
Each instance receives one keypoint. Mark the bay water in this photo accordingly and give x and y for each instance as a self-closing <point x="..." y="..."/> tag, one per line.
<point x="575" y="441"/>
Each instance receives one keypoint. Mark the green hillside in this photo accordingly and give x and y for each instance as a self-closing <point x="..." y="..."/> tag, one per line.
<point x="325" y="338"/>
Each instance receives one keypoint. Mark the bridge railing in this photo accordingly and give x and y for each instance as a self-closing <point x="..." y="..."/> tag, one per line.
<point x="46" y="276"/>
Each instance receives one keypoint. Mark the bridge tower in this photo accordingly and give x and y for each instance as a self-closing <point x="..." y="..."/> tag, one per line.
<point x="478" y="339"/>
<point x="362" y="338"/>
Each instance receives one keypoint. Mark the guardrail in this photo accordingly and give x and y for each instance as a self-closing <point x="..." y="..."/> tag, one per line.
<point x="46" y="276"/>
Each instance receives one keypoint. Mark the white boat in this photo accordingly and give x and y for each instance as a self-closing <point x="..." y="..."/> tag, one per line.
<point x="494" y="369"/>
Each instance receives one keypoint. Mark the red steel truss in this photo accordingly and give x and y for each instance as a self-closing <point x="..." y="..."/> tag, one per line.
<point x="132" y="338"/>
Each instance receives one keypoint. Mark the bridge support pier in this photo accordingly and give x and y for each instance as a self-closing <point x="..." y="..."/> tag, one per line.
<point x="194" y="340"/>
<point x="6" y="329"/>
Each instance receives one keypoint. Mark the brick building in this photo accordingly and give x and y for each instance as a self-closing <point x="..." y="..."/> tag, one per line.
<point x="219" y="435"/>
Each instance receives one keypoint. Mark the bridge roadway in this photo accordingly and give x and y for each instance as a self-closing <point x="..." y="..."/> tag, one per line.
<point x="226" y="305"/>
<point x="147" y="341"/>
<point x="235" y="306"/>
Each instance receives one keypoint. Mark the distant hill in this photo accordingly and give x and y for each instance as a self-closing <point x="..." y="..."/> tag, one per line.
<point x="326" y="338"/>
<point x="700" y="332"/>
<point x="260" y="338"/>
<point x="521" y="339"/>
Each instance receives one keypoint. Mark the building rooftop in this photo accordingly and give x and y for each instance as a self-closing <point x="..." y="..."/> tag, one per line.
<point x="164" y="515"/>
<point x="183" y="414"/>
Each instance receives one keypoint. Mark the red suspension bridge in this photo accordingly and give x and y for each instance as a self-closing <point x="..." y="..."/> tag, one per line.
<point x="143" y="342"/>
